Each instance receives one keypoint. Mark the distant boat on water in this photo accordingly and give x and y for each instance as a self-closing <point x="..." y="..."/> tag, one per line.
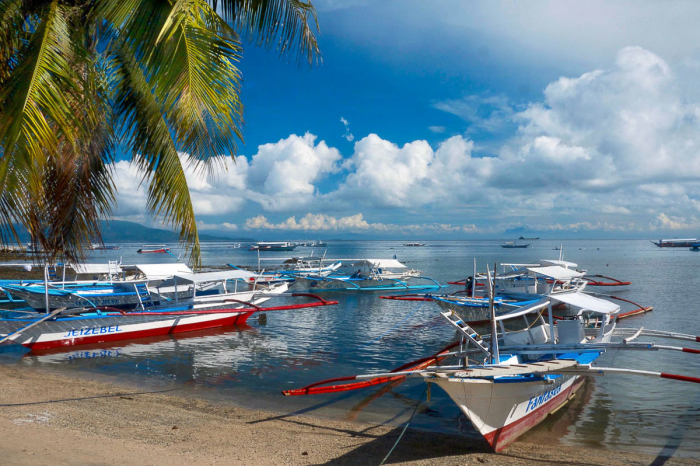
<point x="677" y="243"/>
<point x="526" y="238"/>
<point x="103" y="247"/>
<point x="512" y="245"/>
<point x="154" y="249"/>
<point x="272" y="246"/>
<point x="414" y="244"/>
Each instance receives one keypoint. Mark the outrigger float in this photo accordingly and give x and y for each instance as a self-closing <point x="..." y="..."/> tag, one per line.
<point x="509" y="380"/>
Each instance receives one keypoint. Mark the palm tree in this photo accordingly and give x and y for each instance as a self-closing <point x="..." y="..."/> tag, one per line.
<point x="83" y="82"/>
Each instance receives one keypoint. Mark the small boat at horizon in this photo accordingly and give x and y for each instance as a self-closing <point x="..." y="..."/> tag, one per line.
<point x="512" y="245"/>
<point x="526" y="238"/>
<point x="413" y="244"/>
<point x="272" y="246"/>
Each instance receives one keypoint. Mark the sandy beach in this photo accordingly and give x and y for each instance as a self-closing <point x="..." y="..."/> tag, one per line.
<point x="48" y="418"/>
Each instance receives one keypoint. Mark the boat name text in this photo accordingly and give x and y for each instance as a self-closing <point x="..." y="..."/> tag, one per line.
<point x="536" y="401"/>
<point x="82" y="332"/>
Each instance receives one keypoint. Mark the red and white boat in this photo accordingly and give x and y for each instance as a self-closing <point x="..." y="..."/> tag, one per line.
<point x="64" y="328"/>
<point x="154" y="249"/>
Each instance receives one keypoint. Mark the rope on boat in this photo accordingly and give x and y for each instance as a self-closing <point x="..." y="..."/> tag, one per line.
<point x="415" y="410"/>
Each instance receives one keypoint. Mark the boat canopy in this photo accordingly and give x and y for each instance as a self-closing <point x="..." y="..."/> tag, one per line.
<point x="565" y="264"/>
<point x="585" y="301"/>
<point x="162" y="271"/>
<point x="381" y="263"/>
<point x="96" y="269"/>
<point x="206" y="277"/>
<point x="556" y="272"/>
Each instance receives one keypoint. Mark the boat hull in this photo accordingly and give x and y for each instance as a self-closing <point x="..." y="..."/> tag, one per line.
<point x="83" y="331"/>
<point x="503" y="410"/>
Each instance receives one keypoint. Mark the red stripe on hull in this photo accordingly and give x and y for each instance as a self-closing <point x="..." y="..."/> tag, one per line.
<point x="227" y="321"/>
<point x="501" y="438"/>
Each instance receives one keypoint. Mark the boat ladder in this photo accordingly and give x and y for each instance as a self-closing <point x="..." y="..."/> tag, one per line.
<point x="468" y="332"/>
<point x="143" y="294"/>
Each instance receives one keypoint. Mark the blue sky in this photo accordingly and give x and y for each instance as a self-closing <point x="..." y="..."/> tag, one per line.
<point x="460" y="119"/>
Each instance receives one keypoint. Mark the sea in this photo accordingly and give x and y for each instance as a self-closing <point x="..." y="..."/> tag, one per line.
<point x="250" y="366"/>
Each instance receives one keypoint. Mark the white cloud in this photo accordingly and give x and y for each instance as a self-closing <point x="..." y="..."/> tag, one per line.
<point x="437" y="129"/>
<point x="282" y="175"/>
<point x="225" y="226"/>
<point x="348" y="135"/>
<point x="385" y="174"/>
<point x="352" y="223"/>
<point x="664" y="222"/>
<point x="491" y="113"/>
<point x="315" y="222"/>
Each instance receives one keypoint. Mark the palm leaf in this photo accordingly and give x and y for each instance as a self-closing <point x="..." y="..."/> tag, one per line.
<point x="153" y="150"/>
<point x="284" y="22"/>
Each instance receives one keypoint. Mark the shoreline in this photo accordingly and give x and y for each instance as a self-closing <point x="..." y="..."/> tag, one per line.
<point x="104" y="423"/>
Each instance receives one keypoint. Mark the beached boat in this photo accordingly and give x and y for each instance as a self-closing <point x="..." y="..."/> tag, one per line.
<point x="509" y="380"/>
<point x="272" y="246"/>
<point x="369" y="275"/>
<point x="70" y="327"/>
<point x="676" y="243"/>
<point x="154" y="249"/>
<point x="512" y="245"/>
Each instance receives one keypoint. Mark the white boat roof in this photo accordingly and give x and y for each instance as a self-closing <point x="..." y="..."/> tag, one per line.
<point x="585" y="301"/>
<point x="565" y="264"/>
<point x="206" y="277"/>
<point x="383" y="263"/>
<point x="556" y="272"/>
<point x="96" y="268"/>
<point x="162" y="271"/>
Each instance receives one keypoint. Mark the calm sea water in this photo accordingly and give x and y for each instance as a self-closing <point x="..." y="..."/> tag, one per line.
<point x="363" y="334"/>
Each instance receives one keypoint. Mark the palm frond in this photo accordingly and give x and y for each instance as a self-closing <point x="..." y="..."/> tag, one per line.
<point x="153" y="151"/>
<point x="197" y="81"/>
<point x="37" y="100"/>
<point x="287" y="23"/>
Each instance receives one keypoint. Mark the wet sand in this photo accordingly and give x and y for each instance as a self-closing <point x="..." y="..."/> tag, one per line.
<point x="100" y="423"/>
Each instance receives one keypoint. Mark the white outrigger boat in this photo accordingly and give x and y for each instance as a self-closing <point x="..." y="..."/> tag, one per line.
<point x="508" y="381"/>
<point x="371" y="275"/>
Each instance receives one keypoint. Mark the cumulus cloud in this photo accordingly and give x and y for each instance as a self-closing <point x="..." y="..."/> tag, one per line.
<point x="279" y="176"/>
<point x="352" y="223"/>
<point x="664" y="222"/>
<point x="412" y="175"/>
<point x="315" y="222"/>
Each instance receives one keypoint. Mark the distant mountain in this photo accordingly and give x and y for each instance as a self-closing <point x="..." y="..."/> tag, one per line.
<point x="118" y="231"/>
<point x="115" y="231"/>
